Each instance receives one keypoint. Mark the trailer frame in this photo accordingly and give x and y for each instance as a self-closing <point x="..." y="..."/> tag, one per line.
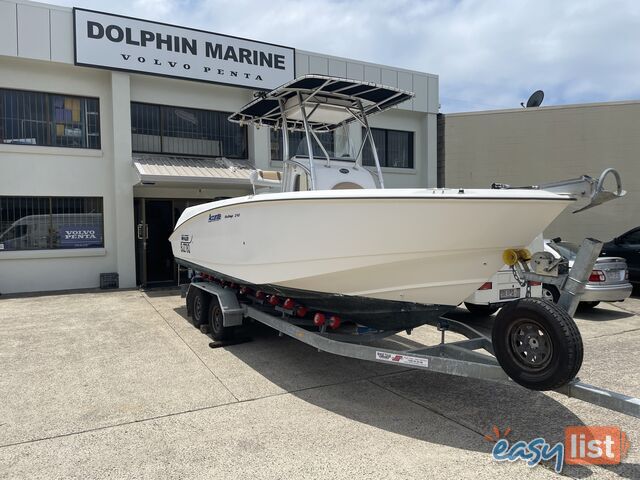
<point x="457" y="358"/>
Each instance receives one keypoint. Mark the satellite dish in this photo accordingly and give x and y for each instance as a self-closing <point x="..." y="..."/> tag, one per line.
<point x="535" y="99"/>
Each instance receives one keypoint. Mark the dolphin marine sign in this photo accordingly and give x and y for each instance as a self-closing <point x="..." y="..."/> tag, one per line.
<point x="123" y="43"/>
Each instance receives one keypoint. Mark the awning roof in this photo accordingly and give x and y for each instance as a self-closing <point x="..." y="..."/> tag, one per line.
<point x="340" y="93"/>
<point x="153" y="169"/>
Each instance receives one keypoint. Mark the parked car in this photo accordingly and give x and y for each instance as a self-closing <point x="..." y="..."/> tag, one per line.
<point x="626" y="246"/>
<point x="502" y="288"/>
<point x="608" y="282"/>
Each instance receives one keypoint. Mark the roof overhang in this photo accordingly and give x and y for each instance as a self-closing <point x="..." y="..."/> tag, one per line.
<point x="191" y="171"/>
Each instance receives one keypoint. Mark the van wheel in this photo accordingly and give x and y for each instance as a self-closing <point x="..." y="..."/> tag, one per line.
<point x="216" y="322"/>
<point x="537" y="344"/>
<point x="482" y="310"/>
<point x="550" y="293"/>
<point x="201" y="300"/>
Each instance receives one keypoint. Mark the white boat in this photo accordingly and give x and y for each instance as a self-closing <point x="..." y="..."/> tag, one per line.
<point x="335" y="240"/>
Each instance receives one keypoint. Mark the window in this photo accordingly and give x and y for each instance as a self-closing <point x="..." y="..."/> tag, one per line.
<point x="298" y="144"/>
<point x="186" y="131"/>
<point x="36" y="223"/>
<point x="394" y="147"/>
<point x="35" y="118"/>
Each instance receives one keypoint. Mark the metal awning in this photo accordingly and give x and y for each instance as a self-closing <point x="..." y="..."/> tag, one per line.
<point x="152" y="169"/>
<point x="330" y="101"/>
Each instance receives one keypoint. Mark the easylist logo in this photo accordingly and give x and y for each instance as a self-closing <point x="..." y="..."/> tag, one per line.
<point x="137" y="45"/>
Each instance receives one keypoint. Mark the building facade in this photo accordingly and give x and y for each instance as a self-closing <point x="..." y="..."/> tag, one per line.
<point x="102" y="146"/>
<point x="529" y="146"/>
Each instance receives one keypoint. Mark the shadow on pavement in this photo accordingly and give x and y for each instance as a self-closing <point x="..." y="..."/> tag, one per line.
<point x="416" y="404"/>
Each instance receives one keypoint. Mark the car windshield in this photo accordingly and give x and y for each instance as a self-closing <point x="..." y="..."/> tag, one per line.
<point x="566" y="250"/>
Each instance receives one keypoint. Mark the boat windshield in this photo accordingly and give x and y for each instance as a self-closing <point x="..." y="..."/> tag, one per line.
<point x="337" y="144"/>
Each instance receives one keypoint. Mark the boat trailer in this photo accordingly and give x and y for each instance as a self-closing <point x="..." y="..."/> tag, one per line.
<point x="221" y="307"/>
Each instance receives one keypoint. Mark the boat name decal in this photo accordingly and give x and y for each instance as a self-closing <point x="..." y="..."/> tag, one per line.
<point x="405" y="359"/>
<point x="214" y="218"/>
<point x="185" y="243"/>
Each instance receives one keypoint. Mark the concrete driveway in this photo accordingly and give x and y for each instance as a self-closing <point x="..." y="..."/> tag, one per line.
<point x="121" y="385"/>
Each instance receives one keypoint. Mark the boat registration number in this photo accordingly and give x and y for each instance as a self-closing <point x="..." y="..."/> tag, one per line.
<point x="508" y="293"/>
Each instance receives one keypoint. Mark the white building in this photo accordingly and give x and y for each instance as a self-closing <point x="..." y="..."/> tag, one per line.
<point x="97" y="161"/>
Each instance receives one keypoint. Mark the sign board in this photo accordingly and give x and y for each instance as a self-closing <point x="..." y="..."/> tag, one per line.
<point x="122" y="43"/>
<point x="81" y="236"/>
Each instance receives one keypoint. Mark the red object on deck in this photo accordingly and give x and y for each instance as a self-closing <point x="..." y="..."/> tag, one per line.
<point x="289" y="304"/>
<point x="301" y="311"/>
<point x="334" y="322"/>
<point x="260" y="295"/>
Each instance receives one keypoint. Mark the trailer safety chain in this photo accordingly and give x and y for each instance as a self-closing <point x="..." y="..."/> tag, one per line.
<point x="521" y="281"/>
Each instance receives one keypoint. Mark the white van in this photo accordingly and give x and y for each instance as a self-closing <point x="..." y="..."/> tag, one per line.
<point x="502" y="288"/>
<point x="60" y="230"/>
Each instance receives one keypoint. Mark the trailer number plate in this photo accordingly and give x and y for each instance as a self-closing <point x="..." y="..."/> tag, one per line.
<point x="404" y="359"/>
<point x="508" y="293"/>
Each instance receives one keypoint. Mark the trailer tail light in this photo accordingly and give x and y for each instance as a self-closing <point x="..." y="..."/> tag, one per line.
<point x="486" y="286"/>
<point x="534" y="284"/>
<point x="597" y="276"/>
<point x="288" y="304"/>
<point x="318" y="319"/>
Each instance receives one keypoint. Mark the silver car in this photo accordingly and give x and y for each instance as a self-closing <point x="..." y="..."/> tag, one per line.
<point x="609" y="280"/>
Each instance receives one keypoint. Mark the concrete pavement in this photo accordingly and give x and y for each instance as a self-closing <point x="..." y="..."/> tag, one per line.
<point x="120" y="385"/>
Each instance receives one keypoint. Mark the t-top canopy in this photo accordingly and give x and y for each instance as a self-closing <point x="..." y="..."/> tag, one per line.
<point x="328" y="102"/>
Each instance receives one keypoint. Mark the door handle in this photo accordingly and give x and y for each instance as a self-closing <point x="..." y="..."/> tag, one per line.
<point x="143" y="231"/>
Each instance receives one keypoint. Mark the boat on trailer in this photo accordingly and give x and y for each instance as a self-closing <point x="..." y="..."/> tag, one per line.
<point x="334" y="238"/>
<point x="334" y="250"/>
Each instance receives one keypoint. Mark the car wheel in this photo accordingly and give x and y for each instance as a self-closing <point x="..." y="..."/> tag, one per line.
<point x="537" y="344"/>
<point x="482" y="310"/>
<point x="550" y="293"/>
<point x="588" y="305"/>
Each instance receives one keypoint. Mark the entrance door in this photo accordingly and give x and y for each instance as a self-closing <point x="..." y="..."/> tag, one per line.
<point x="159" y="219"/>
<point x="155" y="219"/>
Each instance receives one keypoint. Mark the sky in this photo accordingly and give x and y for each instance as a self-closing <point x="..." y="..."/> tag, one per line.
<point x="488" y="54"/>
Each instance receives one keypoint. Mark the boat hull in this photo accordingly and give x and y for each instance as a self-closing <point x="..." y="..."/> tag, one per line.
<point x="427" y="247"/>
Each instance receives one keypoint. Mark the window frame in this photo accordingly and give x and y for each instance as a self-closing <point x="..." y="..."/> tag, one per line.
<point x="278" y="135"/>
<point x="161" y="107"/>
<point x="52" y="120"/>
<point x="411" y="144"/>
<point x="50" y="200"/>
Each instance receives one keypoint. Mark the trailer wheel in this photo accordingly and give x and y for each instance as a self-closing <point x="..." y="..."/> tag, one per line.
<point x="201" y="300"/>
<point x="484" y="310"/>
<point x="216" y="321"/>
<point x="537" y="344"/>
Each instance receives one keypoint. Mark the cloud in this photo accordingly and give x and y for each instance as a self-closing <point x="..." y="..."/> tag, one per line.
<point x="488" y="54"/>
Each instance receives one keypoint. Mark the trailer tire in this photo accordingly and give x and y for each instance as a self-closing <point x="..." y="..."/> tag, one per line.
<point x="482" y="310"/>
<point x="216" y="322"/>
<point x="534" y="324"/>
<point x="200" y="309"/>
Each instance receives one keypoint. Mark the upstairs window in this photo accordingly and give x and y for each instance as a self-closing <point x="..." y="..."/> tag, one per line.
<point x="36" y="118"/>
<point x="186" y="131"/>
<point x="394" y="147"/>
